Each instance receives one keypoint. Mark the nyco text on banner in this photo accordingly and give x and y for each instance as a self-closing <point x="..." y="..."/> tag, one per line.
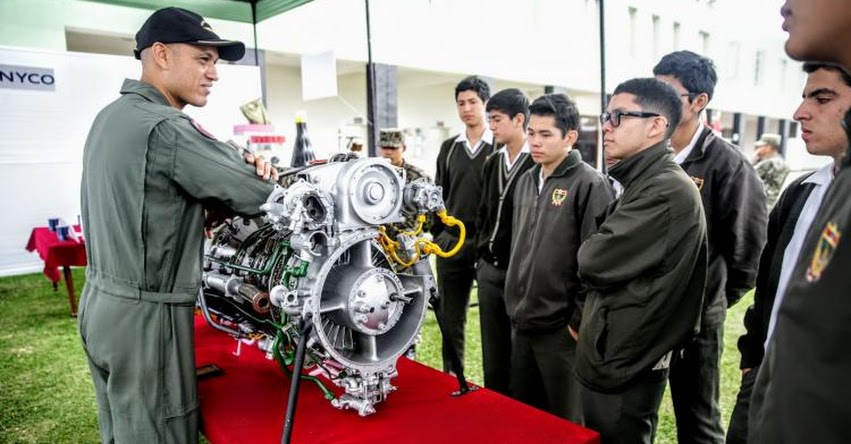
<point x="27" y="77"/>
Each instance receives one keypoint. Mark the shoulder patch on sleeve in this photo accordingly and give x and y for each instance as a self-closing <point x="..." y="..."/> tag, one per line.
<point x="201" y="130"/>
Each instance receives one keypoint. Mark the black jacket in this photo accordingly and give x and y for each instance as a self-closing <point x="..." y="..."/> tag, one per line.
<point x="645" y="269"/>
<point x="802" y="391"/>
<point x="542" y="288"/>
<point x="736" y="216"/>
<point x="497" y="207"/>
<point x="781" y="227"/>
<point x="459" y="173"/>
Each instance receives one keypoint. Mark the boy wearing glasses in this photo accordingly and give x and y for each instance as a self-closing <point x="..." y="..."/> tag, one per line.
<point x="555" y="206"/>
<point x="736" y="221"/>
<point x="644" y="268"/>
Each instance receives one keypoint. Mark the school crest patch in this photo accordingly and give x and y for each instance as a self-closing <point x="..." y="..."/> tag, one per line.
<point x="698" y="181"/>
<point x="827" y="243"/>
<point x="559" y="195"/>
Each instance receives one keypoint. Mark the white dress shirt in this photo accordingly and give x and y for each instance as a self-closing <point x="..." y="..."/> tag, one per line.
<point x="683" y="155"/>
<point x="822" y="179"/>
<point x="510" y="163"/>
<point x="487" y="137"/>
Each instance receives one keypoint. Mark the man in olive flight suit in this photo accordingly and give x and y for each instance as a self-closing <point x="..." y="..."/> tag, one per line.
<point x="149" y="175"/>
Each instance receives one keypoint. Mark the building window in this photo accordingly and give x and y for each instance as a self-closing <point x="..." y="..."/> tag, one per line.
<point x="676" y="36"/>
<point x="632" y="31"/>
<point x="758" y="67"/>
<point x="704" y="40"/>
<point x="656" y="37"/>
<point x="733" y="55"/>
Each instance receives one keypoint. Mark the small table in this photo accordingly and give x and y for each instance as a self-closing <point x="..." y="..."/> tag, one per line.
<point x="56" y="253"/>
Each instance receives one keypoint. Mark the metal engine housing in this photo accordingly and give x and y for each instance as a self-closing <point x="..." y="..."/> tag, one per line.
<point x="317" y="256"/>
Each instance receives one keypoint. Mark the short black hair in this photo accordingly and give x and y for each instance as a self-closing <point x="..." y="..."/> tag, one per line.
<point x="811" y="67"/>
<point x="694" y="71"/>
<point x="511" y="102"/>
<point x="561" y="108"/>
<point x="474" y="83"/>
<point x="655" y="96"/>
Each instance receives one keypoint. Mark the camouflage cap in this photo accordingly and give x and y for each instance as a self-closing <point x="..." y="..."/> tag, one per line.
<point x="769" y="139"/>
<point x="391" y="137"/>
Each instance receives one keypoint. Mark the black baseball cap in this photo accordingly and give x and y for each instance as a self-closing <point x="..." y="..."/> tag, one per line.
<point x="177" y="25"/>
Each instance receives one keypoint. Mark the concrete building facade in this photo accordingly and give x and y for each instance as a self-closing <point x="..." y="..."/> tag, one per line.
<point x="534" y="45"/>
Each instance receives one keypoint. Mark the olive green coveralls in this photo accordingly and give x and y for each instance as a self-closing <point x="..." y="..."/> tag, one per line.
<point x="148" y="173"/>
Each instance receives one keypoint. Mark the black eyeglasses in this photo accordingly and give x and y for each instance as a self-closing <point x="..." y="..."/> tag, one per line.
<point x="615" y="116"/>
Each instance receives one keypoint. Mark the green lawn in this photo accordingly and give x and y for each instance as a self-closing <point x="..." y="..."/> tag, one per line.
<point x="46" y="393"/>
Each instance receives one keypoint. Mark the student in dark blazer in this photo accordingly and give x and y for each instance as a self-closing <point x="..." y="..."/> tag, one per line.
<point x="827" y="95"/>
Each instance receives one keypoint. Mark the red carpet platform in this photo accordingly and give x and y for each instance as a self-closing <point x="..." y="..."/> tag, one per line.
<point x="247" y="403"/>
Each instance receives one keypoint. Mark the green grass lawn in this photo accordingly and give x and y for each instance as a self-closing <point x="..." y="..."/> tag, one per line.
<point x="46" y="393"/>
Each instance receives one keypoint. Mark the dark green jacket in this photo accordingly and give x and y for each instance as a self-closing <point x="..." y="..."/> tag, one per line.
<point x="645" y="269"/>
<point x="802" y="393"/>
<point x="148" y="172"/>
<point x="736" y="220"/>
<point x="542" y="290"/>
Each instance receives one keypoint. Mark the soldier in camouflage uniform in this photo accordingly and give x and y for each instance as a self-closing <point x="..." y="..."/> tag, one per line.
<point x="392" y="145"/>
<point x="770" y="166"/>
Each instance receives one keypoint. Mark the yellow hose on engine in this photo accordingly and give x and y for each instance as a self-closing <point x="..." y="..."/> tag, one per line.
<point x="422" y="246"/>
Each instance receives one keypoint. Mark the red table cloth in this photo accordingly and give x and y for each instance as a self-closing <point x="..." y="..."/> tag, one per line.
<point x="246" y="404"/>
<point x="56" y="253"/>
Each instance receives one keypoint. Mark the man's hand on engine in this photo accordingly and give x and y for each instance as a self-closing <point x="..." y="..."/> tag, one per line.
<point x="263" y="168"/>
